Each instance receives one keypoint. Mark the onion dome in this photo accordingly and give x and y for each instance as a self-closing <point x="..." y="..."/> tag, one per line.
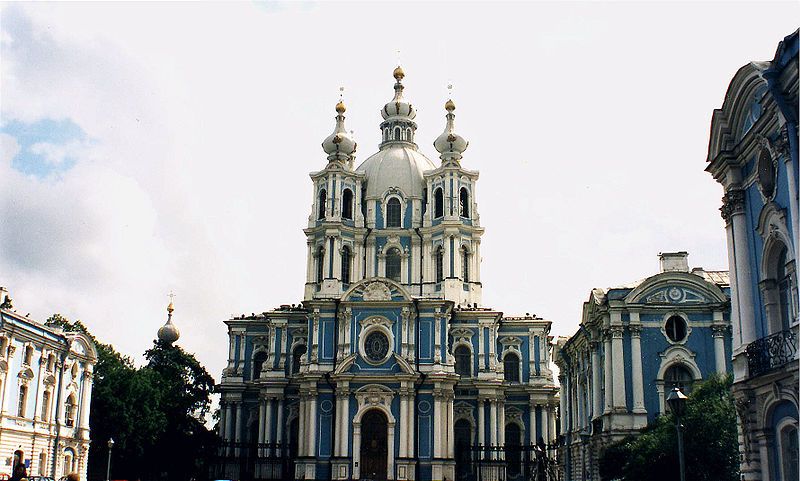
<point x="398" y="107"/>
<point x="168" y="333"/>
<point x="449" y="144"/>
<point x="340" y="145"/>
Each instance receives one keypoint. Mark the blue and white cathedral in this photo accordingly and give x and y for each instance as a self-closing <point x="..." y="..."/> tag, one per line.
<point x="390" y="369"/>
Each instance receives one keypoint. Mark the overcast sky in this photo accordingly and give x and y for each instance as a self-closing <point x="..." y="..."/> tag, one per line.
<point x="149" y="148"/>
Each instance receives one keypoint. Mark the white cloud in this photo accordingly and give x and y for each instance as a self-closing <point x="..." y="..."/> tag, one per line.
<point x="588" y="122"/>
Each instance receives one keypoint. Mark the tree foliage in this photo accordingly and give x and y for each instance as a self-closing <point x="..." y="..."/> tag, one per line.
<point x="710" y="441"/>
<point x="155" y="413"/>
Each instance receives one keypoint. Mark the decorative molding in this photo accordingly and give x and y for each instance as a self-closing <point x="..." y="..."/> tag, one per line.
<point x="377" y="291"/>
<point x="732" y="203"/>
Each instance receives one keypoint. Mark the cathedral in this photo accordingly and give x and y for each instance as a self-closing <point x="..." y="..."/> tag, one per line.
<point x="390" y="368"/>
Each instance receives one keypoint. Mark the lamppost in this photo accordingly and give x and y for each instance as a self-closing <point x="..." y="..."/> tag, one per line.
<point x="677" y="404"/>
<point x="108" y="465"/>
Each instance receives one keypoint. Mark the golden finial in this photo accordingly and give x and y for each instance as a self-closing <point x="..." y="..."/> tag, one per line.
<point x="398" y="73"/>
<point x="170" y="307"/>
<point x="449" y="105"/>
<point x="340" y="108"/>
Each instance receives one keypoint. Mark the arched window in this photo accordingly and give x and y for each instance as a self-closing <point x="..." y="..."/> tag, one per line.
<point x="784" y="289"/>
<point x="386" y="134"/>
<point x="258" y="364"/>
<point x="320" y="263"/>
<point x="28" y="355"/>
<point x="463" y="199"/>
<point x="438" y="202"/>
<point x="346" y="265"/>
<point x="511" y="367"/>
<point x="393" y="212"/>
<point x="51" y="362"/>
<point x="677" y="376"/>
<point x="297" y="356"/>
<point x="69" y="410"/>
<point x="463" y="361"/>
<point x="45" y="406"/>
<point x="788" y="454"/>
<point x="22" y="401"/>
<point x="323" y="201"/>
<point x="464" y="263"/>
<point x="439" y="258"/>
<point x="347" y="204"/>
<point x="408" y="134"/>
<point x="397" y="134"/>
<point x="393" y="264"/>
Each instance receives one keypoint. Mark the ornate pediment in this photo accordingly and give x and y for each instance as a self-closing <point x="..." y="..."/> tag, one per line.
<point x="377" y="291"/>
<point x="509" y="341"/>
<point x="374" y="395"/>
<point x="674" y="295"/>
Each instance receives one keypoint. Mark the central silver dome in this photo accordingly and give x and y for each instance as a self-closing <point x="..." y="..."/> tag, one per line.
<point x="396" y="165"/>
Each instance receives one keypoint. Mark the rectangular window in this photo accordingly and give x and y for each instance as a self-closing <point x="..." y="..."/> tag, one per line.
<point x="23" y="398"/>
<point x="46" y="406"/>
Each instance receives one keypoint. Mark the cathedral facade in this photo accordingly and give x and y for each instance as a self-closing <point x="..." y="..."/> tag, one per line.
<point x="753" y="154"/>
<point x="390" y="368"/>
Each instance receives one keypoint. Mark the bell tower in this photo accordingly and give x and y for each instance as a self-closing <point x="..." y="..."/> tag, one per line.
<point x="451" y="224"/>
<point x="335" y="231"/>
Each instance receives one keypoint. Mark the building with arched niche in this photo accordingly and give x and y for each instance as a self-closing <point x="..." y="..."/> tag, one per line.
<point x="390" y="368"/>
<point x="753" y="154"/>
<point x="45" y="395"/>
<point x="635" y="343"/>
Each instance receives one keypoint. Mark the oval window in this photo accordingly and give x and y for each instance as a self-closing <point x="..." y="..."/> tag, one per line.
<point x="376" y="346"/>
<point x="676" y="328"/>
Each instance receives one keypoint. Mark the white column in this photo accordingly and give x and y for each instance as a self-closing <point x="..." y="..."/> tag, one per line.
<point x="223" y="419"/>
<point x="551" y="425"/>
<point x="437" y="422"/>
<point x="86" y="398"/>
<point x="493" y="423"/>
<point x="534" y="432"/>
<point x="411" y="426"/>
<point x="636" y="363"/>
<point x="609" y="381"/>
<point x="492" y="342"/>
<point x="481" y="423"/>
<point x="597" y="401"/>
<point x="562" y="401"/>
<point x="735" y="312"/>
<point x="501" y="425"/>
<point x="404" y="421"/>
<point x="618" y="369"/>
<point x="734" y="199"/>
<point x="546" y="417"/>
<point x="279" y="427"/>
<point x="239" y="426"/>
<point x="268" y="423"/>
<point x="262" y="415"/>
<point x="229" y="433"/>
<point x="718" y="332"/>
<point x="312" y="435"/>
<point x="301" y="424"/>
<point x="451" y="449"/>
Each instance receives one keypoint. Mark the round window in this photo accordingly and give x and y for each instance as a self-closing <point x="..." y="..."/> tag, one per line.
<point x="766" y="173"/>
<point x="676" y="328"/>
<point x="376" y="346"/>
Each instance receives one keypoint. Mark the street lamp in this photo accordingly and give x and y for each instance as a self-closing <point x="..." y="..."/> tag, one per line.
<point x="108" y="465"/>
<point x="677" y="404"/>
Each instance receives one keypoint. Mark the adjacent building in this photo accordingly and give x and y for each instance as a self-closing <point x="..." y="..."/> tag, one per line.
<point x="635" y="344"/>
<point x="753" y="154"/>
<point x="45" y="394"/>
<point x="390" y="368"/>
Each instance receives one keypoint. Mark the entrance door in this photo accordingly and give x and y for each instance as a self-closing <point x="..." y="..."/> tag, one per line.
<point x="513" y="450"/>
<point x="374" y="445"/>
<point x="463" y="433"/>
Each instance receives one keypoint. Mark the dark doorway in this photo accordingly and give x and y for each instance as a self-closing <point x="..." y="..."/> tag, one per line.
<point x="463" y="434"/>
<point x="374" y="445"/>
<point x="513" y="450"/>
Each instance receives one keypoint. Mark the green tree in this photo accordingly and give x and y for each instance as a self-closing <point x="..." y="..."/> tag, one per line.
<point x="185" y="388"/>
<point x="710" y="441"/>
<point x="155" y="413"/>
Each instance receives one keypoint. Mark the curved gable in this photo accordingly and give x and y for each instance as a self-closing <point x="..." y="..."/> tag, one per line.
<point x="727" y="122"/>
<point x="676" y="288"/>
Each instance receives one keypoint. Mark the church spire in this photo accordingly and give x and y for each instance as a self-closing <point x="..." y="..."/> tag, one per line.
<point x="398" y="115"/>
<point x="449" y="144"/>
<point x="340" y="145"/>
<point x="168" y="333"/>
